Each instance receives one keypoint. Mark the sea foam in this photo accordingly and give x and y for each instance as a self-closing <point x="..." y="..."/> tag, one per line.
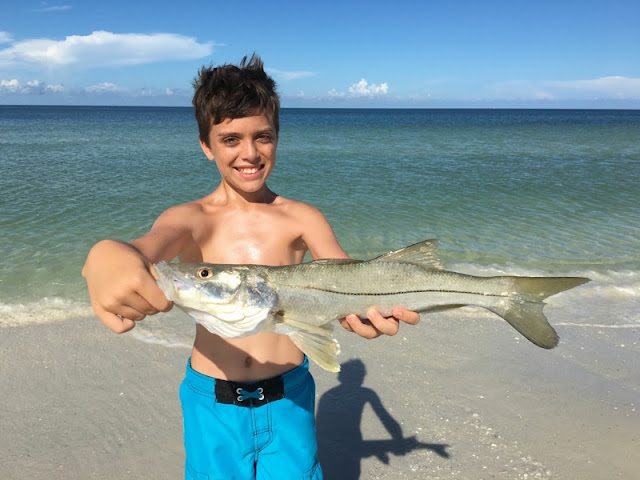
<point x="45" y="310"/>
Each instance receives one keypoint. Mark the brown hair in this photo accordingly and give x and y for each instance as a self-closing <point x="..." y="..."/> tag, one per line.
<point x="231" y="91"/>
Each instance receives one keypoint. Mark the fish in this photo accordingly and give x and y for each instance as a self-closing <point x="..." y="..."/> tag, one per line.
<point x="304" y="300"/>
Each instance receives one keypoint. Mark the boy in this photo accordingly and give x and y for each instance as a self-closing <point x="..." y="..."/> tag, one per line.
<point x="241" y="221"/>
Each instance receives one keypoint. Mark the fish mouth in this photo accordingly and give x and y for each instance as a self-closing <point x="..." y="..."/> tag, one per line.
<point x="168" y="280"/>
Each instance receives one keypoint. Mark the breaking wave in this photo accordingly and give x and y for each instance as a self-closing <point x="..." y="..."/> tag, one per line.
<point x="45" y="310"/>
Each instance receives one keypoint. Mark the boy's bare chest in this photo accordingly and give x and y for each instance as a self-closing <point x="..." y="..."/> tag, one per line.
<point x="257" y="239"/>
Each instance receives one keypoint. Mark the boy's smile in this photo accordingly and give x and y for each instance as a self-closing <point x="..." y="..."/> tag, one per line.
<point x="249" y="173"/>
<point x="244" y="150"/>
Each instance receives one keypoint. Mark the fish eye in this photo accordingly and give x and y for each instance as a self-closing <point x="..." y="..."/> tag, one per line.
<point x="204" y="272"/>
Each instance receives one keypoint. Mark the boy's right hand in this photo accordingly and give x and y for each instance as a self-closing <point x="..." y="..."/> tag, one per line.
<point x="121" y="288"/>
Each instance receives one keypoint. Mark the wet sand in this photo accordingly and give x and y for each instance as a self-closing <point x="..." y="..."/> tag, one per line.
<point x="458" y="396"/>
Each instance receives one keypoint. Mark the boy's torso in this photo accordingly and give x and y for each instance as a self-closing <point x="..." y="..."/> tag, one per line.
<point x="268" y="234"/>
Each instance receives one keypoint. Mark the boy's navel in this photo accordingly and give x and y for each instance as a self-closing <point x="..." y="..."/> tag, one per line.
<point x="248" y="361"/>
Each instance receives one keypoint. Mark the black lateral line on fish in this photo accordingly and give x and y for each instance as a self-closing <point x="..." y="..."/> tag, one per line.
<point x="364" y="294"/>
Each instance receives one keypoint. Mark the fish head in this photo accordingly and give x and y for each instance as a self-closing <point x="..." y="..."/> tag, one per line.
<point x="229" y="300"/>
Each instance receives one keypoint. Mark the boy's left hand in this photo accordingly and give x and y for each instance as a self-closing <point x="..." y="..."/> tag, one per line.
<point x="375" y="324"/>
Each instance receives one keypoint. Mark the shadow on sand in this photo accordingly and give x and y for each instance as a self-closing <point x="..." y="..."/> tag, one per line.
<point x="340" y="442"/>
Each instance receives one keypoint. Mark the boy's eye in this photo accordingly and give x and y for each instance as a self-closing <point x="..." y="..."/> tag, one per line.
<point x="229" y="140"/>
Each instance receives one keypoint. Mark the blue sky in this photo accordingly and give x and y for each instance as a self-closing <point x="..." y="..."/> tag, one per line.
<point x="455" y="53"/>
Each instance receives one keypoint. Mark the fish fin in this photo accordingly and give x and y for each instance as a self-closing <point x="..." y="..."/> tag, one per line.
<point x="523" y="309"/>
<point x="317" y="343"/>
<point x="422" y="253"/>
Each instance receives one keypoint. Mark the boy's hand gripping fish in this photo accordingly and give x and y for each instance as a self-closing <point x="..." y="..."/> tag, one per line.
<point x="303" y="300"/>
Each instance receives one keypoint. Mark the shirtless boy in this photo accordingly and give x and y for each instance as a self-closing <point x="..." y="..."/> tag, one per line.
<point x="236" y="424"/>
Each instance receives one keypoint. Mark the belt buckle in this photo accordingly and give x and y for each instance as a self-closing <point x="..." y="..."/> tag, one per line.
<point x="249" y="394"/>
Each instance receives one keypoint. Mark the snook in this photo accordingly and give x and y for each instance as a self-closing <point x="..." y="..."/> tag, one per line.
<point x="303" y="300"/>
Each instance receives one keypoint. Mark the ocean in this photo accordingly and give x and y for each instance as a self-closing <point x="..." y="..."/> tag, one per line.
<point x="526" y="192"/>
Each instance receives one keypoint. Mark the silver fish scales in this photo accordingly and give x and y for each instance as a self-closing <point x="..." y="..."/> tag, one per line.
<point x="303" y="300"/>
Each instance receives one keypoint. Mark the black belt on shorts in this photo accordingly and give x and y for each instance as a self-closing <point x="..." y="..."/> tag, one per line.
<point x="250" y="394"/>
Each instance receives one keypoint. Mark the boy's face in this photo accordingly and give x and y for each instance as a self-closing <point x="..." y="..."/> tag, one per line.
<point x="244" y="150"/>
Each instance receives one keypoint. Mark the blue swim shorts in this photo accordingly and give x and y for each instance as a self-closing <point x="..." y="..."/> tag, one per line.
<point x="264" y="430"/>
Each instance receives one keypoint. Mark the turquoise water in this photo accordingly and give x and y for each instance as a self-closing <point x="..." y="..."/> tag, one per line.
<point x="517" y="191"/>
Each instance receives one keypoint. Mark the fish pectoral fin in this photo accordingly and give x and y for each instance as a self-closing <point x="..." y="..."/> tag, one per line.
<point x="317" y="343"/>
<point x="421" y="253"/>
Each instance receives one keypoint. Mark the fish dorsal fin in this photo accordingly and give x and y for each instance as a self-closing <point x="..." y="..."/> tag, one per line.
<point x="422" y="253"/>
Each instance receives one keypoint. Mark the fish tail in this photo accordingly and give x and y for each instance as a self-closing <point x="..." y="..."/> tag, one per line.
<point x="523" y="308"/>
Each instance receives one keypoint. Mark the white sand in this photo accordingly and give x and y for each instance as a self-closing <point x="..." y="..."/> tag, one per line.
<point x="450" y="398"/>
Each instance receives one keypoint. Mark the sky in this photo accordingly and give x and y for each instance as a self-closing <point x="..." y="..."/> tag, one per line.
<point x="408" y="54"/>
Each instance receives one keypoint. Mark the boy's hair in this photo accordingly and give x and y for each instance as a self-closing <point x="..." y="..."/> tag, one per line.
<point x="231" y="91"/>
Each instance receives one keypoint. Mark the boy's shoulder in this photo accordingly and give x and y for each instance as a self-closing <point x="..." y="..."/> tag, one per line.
<point x="314" y="230"/>
<point x="182" y="217"/>
<point x="296" y="208"/>
<point x="182" y="209"/>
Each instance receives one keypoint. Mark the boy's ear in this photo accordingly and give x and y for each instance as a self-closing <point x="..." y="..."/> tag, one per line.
<point x="205" y="148"/>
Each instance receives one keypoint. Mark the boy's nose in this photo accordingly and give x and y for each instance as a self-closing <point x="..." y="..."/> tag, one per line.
<point x="249" y="151"/>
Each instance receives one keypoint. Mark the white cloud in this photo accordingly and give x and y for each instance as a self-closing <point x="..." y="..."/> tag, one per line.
<point x="103" y="48"/>
<point x="104" y="87"/>
<point x="365" y="89"/>
<point x="5" y="37"/>
<point x="294" y="75"/>
<point x="612" y="86"/>
<point x="55" y="88"/>
<point x="361" y="89"/>
<point x="11" y="86"/>
<point x="108" y="92"/>
<point x="53" y="8"/>
<point x="542" y="95"/>
<point x="32" y="87"/>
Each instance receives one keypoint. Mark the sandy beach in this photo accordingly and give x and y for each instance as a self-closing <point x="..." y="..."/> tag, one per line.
<point x="459" y="396"/>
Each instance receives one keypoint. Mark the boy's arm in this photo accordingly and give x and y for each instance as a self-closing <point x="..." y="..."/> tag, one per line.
<point x="121" y="287"/>
<point x="322" y="243"/>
